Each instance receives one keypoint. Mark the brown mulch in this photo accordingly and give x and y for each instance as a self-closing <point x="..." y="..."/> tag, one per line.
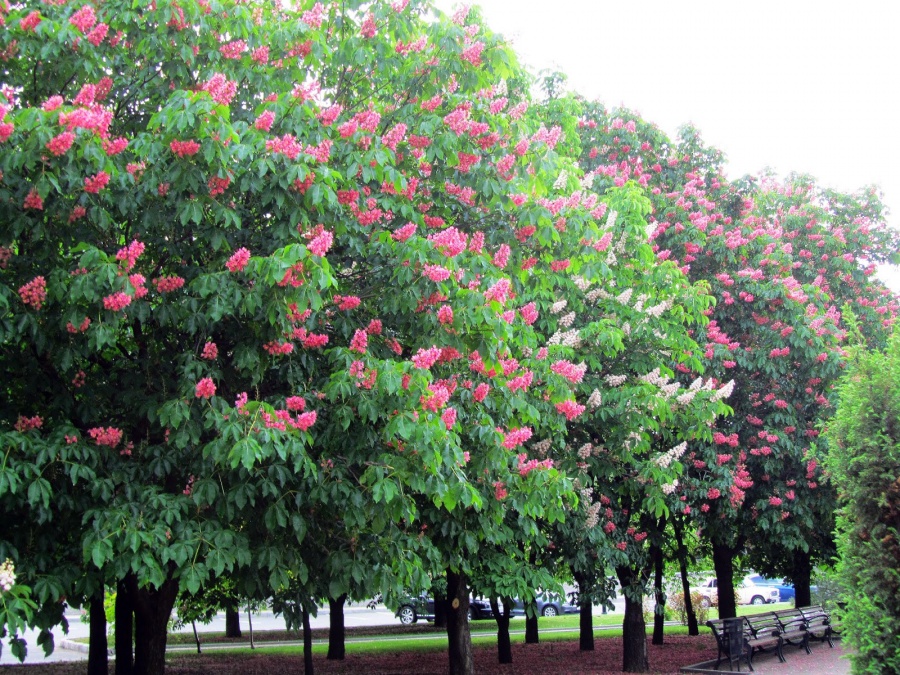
<point x="546" y="658"/>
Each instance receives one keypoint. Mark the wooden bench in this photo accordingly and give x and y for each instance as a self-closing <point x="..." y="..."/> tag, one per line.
<point x="794" y="628"/>
<point x="820" y="624"/>
<point x="758" y="635"/>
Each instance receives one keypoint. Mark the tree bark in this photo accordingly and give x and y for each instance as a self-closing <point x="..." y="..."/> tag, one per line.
<point x="459" y="639"/>
<point x="634" y="637"/>
<point x="723" y="562"/>
<point x="693" y="628"/>
<point x="233" y="622"/>
<point x="585" y="615"/>
<point x="307" y="643"/>
<point x="336" y="632"/>
<point x="152" y="609"/>
<point x="531" y="625"/>
<point x="98" y="650"/>
<point x="659" y="616"/>
<point x="801" y="576"/>
<point x="504" y="645"/>
<point x="125" y="626"/>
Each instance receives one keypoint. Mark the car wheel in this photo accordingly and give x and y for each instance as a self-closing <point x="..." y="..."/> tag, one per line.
<point x="757" y="600"/>
<point x="549" y="610"/>
<point x="704" y="602"/>
<point x="407" y="615"/>
<point x="473" y="613"/>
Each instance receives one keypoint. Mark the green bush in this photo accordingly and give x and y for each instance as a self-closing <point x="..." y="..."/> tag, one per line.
<point x="864" y="460"/>
<point x="679" y="611"/>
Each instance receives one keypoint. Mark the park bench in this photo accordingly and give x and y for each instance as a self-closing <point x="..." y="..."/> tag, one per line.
<point x="760" y="634"/>
<point x="820" y="624"/>
<point x="794" y="628"/>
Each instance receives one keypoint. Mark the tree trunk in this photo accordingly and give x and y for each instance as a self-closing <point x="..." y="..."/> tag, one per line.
<point x="196" y="637"/>
<point x="585" y="615"/>
<point x="531" y="625"/>
<point x="440" y="611"/>
<point x="336" y="631"/>
<point x="634" y="637"/>
<point x="693" y="628"/>
<point x="801" y="576"/>
<point x="504" y="646"/>
<point x="152" y="609"/>
<point x="307" y="643"/>
<point x="125" y="626"/>
<point x="659" y="610"/>
<point x="723" y="562"/>
<point x="459" y="640"/>
<point x="98" y="650"/>
<point x="233" y="622"/>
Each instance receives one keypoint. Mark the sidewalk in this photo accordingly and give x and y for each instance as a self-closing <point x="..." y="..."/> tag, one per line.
<point x="823" y="660"/>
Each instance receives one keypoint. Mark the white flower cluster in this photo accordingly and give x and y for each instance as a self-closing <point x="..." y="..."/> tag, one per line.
<point x="587" y="181"/>
<point x="669" y="488"/>
<point x="595" y="400"/>
<point x="593" y="516"/>
<point x="567" y="320"/>
<point x="620" y="245"/>
<point x="569" y="338"/>
<point x="542" y="447"/>
<point x="633" y="439"/>
<point x="639" y="303"/>
<point x="558" y="306"/>
<point x="500" y="89"/>
<point x="581" y="283"/>
<point x="625" y="296"/>
<point x="651" y="229"/>
<point x="585" y="450"/>
<point x="611" y="258"/>
<point x="686" y="397"/>
<point x="656" y="311"/>
<point x="7" y="575"/>
<point x="597" y="293"/>
<point x="724" y="392"/>
<point x="665" y="459"/>
<point x="615" y="380"/>
<point x="611" y="219"/>
<point x="561" y="180"/>
<point x="655" y="377"/>
<point x="626" y="328"/>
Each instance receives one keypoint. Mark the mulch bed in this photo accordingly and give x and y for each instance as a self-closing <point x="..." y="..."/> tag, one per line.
<point x="546" y="658"/>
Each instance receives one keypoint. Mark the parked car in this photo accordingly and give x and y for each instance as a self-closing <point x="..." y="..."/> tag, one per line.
<point x="548" y="604"/>
<point x="413" y="609"/>
<point x="747" y="592"/>
<point x="785" y="590"/>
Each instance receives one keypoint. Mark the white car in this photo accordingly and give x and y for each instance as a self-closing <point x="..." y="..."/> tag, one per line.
<point x="748" y="593"/>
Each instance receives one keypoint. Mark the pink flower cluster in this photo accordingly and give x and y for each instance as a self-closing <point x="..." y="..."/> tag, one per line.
<point x="34" y="293"/>
<point x="529" y="313"/>
<point x="221" y="89"/>
<point x="109" y="436"/>
<point x="93" y="184"/>
<point x="404" y="233"/>
<point x="425" y="358"/>
<point x="515" y="437"/>
<point x="168" y="284"/>
<point x="481" y="392"/>
<point x="282" y="419"/>
<point x="499" y="292"/>
<point x="445" y="314"/>
<point x="321" y="243"/>
<point x="526" y="465"/>
<point x="24" y="424"/>
<point x="238" y="260"/>
<point x="436" y="273"/>
<point x="83" y="19"/>
<point x="59" y="145"/>
<point x="265" y="120"/>
<point x="184" y="148"/>
<point x="117" y="301"/>
<point x="451" y="242"/>
<point x="346" y="302"/>
<point x="360" y="341"/>
<point x="205" y="388"/>
<point x="210" y="351"/>
<point x="278" y="348"/>
<point x="129" y="254"/>
<point x="570" y="409"/>
<point x="569" y="370"/>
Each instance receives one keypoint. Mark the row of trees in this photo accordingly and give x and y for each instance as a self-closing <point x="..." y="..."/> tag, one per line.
<point x="317" y="302"/>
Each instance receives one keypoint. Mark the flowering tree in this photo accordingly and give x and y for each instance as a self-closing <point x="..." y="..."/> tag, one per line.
<point x="775" y="329"/>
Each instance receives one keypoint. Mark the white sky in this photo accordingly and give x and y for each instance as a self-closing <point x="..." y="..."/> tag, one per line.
<point x="795" y="85"/>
